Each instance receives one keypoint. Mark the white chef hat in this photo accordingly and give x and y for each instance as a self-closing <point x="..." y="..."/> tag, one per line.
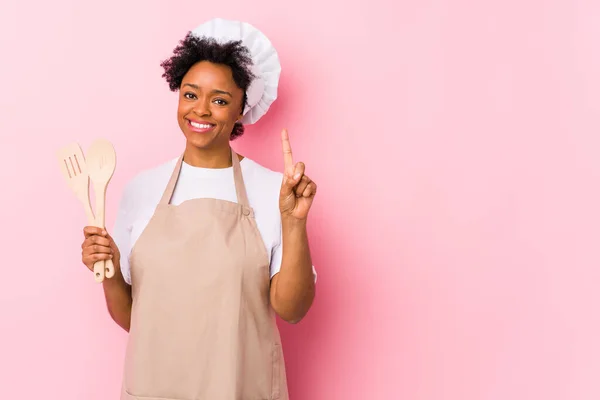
<point x="266" y="67"/>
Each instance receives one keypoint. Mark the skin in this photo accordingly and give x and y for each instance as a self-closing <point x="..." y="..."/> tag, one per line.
<point x="209" y="93"/>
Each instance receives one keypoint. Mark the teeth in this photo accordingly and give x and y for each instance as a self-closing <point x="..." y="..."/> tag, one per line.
<point x="200" y="126"/>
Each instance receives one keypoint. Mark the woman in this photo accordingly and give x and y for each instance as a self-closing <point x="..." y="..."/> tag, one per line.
<point x="209" y="246"/>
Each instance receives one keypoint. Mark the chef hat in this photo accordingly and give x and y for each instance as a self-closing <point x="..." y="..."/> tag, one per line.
<point x="266" y="68"/>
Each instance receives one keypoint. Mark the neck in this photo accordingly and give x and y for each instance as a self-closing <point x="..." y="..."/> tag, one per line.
<point x="208" y="158"/>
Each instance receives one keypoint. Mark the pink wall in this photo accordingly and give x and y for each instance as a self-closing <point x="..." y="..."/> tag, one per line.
<point x="457" y="225"/>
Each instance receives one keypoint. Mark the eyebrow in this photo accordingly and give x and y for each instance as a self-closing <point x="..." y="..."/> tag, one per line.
<point x="214" y="91"/>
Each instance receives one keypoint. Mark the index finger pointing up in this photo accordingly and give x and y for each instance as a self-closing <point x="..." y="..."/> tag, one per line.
<point x="288" y="160"/>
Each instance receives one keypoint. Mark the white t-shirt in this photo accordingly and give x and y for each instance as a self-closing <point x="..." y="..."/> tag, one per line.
<point x="143" y="193"/>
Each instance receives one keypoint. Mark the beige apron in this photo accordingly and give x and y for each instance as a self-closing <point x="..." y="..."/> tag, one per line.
<point x="202" y="327"/>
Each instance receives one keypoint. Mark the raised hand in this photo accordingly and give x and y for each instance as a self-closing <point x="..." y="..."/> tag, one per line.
<point x="297" y="189"/>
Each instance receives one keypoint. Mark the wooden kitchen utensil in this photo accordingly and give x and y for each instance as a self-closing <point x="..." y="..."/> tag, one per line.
<point x="101" y="162"/>
<point x="73" y="167"/>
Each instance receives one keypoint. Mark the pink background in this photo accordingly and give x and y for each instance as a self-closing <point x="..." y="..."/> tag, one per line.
<point x="457" y="224"/>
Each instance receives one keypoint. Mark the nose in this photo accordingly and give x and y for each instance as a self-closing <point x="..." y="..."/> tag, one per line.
<point x="202" y="107"/>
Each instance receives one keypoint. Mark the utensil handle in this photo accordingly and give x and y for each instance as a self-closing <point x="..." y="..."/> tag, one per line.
<point x="99" y="266"/>
<point x="99" y="271"/>
<point x="89" y="214"/>
<point x="109" y="269"/>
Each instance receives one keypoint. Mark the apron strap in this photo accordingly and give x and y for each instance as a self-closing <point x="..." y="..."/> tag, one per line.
<point x="240" y="188"/>
<point x="168" y="193"/>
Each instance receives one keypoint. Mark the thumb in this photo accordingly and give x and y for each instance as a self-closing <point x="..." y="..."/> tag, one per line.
<point x="289" y="182"/>
<point x="109" y="237"/>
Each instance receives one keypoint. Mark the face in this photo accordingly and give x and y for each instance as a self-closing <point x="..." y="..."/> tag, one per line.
<point x="210" y="103"/>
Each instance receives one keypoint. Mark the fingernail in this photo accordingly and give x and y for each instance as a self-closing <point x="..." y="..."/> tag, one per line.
<point x="296" y="176"/>
<point x="103" y="233"/>
<point x="110" y="256"/>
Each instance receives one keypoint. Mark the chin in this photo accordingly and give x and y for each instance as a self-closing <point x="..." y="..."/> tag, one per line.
<point x="201" y="143"/>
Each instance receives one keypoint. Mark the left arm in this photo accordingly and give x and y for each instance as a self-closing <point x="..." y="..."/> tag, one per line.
<point x="293" y="288"/>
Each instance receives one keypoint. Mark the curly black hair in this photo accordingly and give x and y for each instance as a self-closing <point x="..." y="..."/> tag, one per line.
<point x="193" y="49"/>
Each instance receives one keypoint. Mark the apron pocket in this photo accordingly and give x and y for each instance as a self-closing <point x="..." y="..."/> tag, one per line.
<point x="128" y="396"/>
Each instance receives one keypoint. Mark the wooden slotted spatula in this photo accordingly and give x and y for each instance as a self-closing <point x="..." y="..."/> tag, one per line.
<point x="101" y="164"/>
<point x="73" y="167"/>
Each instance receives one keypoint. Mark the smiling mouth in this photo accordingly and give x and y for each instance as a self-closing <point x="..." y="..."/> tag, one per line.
<point x="200" y="127"/>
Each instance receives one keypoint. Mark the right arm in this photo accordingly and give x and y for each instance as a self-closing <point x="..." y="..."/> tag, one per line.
<point x="99" y="245"/>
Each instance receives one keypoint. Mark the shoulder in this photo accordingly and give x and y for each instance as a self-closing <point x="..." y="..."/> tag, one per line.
<point x="259" y="175"/>
<point x="147" y="182"/>
<point x="263" y="186"/>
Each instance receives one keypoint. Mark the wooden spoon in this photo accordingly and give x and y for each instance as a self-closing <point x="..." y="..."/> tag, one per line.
<point x="73" y="167"/>
<point x="101" y="164"/>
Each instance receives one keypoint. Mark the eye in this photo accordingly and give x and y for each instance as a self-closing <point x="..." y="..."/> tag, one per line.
<point x="189" y="95"/>
<point x="221" y="102"/>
